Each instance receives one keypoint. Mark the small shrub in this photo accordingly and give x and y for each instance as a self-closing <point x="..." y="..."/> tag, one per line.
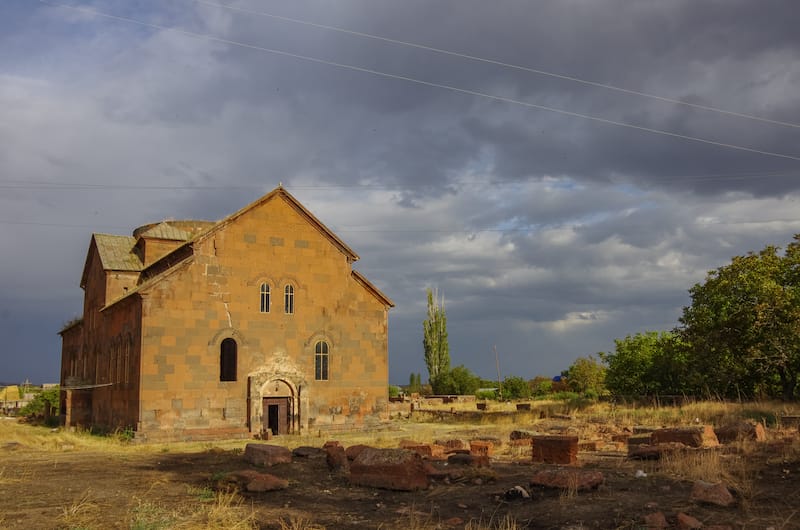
<point x="126" y="435"/>
<point x="204" y="494"/>
<point x="564" y="396"/>
<point x="591" y="394"/>
<point x="486" y="394"/>
<point x="148" y="516"/>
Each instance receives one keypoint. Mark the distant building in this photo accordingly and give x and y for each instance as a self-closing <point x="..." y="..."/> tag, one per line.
<point x="197" y="329"/>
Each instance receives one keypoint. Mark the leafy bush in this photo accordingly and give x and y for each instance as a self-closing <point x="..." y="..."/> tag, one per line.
<point x="486" y="394"/>
<point x="540" y="385"/>
<point x="42" y="400"/>
<point x="585" y="375"/>
<point x="460" y="380"/>
<point x="515" y="387"/>
<point x="564" y="396"/>
<point x="126" y="435"/>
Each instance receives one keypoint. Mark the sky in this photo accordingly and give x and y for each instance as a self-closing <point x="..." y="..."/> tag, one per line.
<point x="562" y="171"/>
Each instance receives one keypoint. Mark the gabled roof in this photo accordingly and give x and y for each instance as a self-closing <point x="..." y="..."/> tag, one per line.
<point x="371" y="288"/>
<point x="116" y="252"/>
<point x="174" y="269"/>
<point x="164" y="230"/>
<point x="279" y="192"/>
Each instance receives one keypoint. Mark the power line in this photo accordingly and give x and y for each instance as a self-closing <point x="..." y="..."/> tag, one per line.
<point x="354" y="229"/>
<point x="498" y="63"/>
<point x="422" y="82"/>
<point x="83" y="186"/>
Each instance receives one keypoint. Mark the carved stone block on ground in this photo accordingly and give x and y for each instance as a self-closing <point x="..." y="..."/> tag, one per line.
<point x="744" y="430"/>
<point x="394" y="469"/>
<point x="267" y="455"/>
<point x="555" y="449"/>
<point x="481" y="448"/>
<point x="702" y="436"/>
<point x="709" y="493"/>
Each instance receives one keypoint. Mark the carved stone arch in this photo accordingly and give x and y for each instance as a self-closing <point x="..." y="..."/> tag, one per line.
<point x="226" y="333"/>
<point x="281" y="372"/>
<point x="229" y="368"/>
<point x="314" y="338"/>
<point x="260" y="277"/>
<point x="289" y="279"/>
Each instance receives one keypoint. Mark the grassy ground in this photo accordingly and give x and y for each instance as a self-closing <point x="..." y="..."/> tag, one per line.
<point x="49" y="471"/>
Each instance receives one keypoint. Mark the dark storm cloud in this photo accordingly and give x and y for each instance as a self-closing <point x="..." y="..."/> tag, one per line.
<point x="549" y="234"/>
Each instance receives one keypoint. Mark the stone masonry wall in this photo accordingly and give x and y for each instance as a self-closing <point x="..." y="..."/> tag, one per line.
<point x="216" y="295"/>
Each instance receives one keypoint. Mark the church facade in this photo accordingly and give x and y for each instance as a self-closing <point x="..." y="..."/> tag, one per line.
<point x="199" y="330"/>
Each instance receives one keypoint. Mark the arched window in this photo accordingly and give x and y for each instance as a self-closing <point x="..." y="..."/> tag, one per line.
<point x="288" y="299"/>
<point x="227" y="360"/>
<point x="265" y="298"/>
<point x="321" y="361"/>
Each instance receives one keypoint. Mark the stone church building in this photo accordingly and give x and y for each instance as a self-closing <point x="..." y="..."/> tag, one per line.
<point x="197" y="329"/>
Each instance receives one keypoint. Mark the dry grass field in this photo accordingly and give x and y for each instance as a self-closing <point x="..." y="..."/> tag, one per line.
<point x="50" y="478"/>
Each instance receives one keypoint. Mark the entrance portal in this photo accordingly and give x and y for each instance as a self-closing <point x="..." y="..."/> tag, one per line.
<point x="274" y="403"/>
<point x="277" y="413"/>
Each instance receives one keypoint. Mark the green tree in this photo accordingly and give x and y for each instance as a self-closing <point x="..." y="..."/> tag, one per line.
<point x="743" y="325"/>
<point x="633" y="366"/>
<point x="540" y="385"/>
<point x="587" y="376"/>
<point x="460" y="380"/>
<point x="44" y="402"/>
<point x="414" y="382"/>
<point x="434" y="338"/>
<point x="515" y="387"/>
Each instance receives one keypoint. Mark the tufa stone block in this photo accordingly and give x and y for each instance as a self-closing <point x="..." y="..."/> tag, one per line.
<point x="555" y="449"/>
<point x="393" y="469"/>
<point x="267" y="455"/>
<point x="689" y="436"/>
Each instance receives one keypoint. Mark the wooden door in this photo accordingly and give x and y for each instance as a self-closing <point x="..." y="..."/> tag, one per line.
<point x="275" y="415"/>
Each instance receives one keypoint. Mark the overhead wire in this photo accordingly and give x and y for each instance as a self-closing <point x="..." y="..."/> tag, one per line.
<point x="497" y="63"/>
<point x="350" y="229"/>
<point x="83" y="186"/>
<point x="80" y="186"/>
<point x="387" y="75"/>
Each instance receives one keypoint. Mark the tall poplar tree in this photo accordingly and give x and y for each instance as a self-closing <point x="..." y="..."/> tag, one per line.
<point x="434" y="339"/>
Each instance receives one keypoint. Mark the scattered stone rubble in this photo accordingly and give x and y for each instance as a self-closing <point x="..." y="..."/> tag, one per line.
<point x="712" y="493"/>
<point x="414" y="465"/>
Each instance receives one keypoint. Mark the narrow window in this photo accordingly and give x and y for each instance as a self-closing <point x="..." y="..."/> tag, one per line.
<point x="288" y="300"/>
<point x="265" y="298"/>
<point x="127" y="368"/>
<point x="227" y="360"/>
<point x="321" y="361"/>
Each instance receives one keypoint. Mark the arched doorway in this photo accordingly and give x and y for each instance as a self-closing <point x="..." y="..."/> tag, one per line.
<point x="277" y="410"/>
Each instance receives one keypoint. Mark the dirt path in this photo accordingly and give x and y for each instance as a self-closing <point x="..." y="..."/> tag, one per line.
<point x="76" y="488"/>
<point x="123" y="490"/>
